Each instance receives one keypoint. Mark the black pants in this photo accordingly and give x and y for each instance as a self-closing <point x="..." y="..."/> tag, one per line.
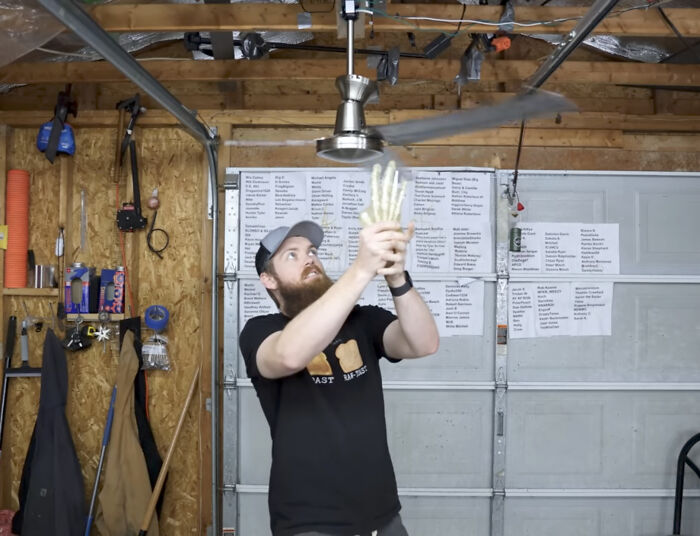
<point x="393" y="528"/>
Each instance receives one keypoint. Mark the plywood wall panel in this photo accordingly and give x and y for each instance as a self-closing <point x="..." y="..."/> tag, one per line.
<point x="172" y="161"/>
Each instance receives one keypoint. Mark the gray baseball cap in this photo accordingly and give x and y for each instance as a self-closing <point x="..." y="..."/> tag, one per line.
<point x="273" y="240"/>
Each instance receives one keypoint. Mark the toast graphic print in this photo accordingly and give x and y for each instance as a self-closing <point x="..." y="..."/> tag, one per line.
<point x="348" y="355"/>
<point x="320" y="366"/>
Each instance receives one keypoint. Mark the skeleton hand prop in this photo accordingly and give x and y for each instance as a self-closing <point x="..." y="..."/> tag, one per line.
<point x="387" y="197"/>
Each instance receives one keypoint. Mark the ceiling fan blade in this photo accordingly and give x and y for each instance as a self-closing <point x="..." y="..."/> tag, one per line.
<point x="518" y="108"/>
<point x="268" y="143"/>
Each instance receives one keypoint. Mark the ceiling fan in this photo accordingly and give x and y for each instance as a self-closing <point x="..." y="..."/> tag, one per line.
<point x="354" y="142"/>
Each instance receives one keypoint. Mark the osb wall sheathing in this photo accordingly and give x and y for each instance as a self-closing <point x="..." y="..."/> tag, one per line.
<point x="173" y="162"/>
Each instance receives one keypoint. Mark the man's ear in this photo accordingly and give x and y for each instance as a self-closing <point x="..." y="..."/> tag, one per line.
<point x="269" y="282"/>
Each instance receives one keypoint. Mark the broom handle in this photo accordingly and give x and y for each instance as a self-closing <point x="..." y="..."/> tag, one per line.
<point x="164" y="469"/>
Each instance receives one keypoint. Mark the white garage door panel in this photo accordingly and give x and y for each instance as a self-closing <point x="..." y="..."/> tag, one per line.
<point x="599" y="440"/>
<point x="449" y="435"/>
<point x="655" y="338"/>
<point x="658" y="215"/>
<point x="255" y="518"/>
<point x="667" y="227"/>
<point x="597" y="517"/>
<point x="546" y="200"/>
<point x="445" y="516"/>
<point x="440" y="439"/>
<point x="254" y="440"/>
<point x="462" y="359"/>
<point x="422" y="516"/>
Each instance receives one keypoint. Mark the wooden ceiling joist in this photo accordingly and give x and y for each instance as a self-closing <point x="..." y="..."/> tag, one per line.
<point x="413" y="69"/>
<point x="291" y="119"/>
<point x="247" y="17"/>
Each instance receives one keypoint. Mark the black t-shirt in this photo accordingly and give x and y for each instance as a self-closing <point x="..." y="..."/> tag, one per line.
<point x="331" y="469"/>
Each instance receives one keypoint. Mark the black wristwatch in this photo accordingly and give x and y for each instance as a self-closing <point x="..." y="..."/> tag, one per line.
<point x="403" y="289"/>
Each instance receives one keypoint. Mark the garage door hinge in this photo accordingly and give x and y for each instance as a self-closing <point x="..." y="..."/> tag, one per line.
<point x="232" y="181"/>
<point x="229" y="385"/>
<point x="228" y="276"/>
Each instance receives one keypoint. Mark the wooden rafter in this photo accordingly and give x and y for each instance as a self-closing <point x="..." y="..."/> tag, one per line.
<point x="222" y="70"/>
<point x="246" y="17"/>
<point x="326" y="119"/>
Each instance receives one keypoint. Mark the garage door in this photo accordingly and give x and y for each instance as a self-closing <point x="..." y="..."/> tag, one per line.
<point x="495" y="435"/>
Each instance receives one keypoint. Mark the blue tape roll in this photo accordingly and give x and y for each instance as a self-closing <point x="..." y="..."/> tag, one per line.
<point x="157" y="317"/>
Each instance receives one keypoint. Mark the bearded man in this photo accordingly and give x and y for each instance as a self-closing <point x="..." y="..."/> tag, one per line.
<point x="315" y="369"/>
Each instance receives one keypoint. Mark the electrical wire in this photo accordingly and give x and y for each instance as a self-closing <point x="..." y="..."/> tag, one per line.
<point x="127" y="281"/>
<point x="517" y="159"/>
<point x="464" y="10"/>
<point x="154" y="229"/>
<point x="483" y="22"/>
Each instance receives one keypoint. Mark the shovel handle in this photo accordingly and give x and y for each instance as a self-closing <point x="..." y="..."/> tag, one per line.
<point x="164" y="468"/>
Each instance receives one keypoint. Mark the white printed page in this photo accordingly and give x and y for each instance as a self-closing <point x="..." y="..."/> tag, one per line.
<point x="464" y="309"/>
<point x="291" y="203"/>
<point x="592" y="308"/>
<point x="522" y="313"/>
<point x="562" y="249"/>
<point x="559" y="309"/>
<point x="600" y="249"/>
<point x="470" y="196"/>
<point x="432" y="242"/>
<point x="452" y="212"/>
<point x="567" y="248"/>
<point x="256" y="193"/>
<point x="254" y="301"/>
<point x="554" y="309"/>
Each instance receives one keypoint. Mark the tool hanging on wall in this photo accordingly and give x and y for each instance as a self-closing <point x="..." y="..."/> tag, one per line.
<point x="155" y="350"/>
<point x="103" y="450"/>
<point x="56" y="136"/>
<point x="164" y="469"/>
<point x="103" y="332"/>
<point x="133" y="106"/>
<point x="153" y="231"/>
<point x="11" y="334"/>
<point x="129" y="217"/>
<point x="24" y="370"/>
<point x="80" y="337"/>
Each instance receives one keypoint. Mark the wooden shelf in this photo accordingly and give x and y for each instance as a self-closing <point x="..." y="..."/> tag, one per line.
<point x="93" y="317"/>
<point x="39" y="292"/>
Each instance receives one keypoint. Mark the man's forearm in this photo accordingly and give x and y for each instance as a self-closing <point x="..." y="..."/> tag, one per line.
<point x="312" y="330"/>
<point x="417" y="325"/>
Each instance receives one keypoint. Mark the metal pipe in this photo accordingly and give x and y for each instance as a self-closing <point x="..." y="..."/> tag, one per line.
<point x="323" y="48"/>
<point x="215" y="424"/>
<point x="351" y="50"/>
<point x="589" y="21"/>
<point x="87" y="29"/>
<point x="77" y="20"/>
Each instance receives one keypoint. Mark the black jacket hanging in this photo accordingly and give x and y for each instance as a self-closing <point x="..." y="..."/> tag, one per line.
<point x="52" y="497"/>
<point x="148" y="443"/>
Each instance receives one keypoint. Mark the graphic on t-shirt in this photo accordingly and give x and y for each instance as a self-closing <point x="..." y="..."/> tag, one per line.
<point x="349" y="356"/>
<point x="319" y="366"/>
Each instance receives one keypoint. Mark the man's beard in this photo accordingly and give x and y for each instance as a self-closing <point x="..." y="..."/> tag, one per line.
<point x="297" y="297"/>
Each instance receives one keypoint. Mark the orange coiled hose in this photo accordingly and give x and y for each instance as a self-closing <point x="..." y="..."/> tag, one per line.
<point x="17" y="219"/>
